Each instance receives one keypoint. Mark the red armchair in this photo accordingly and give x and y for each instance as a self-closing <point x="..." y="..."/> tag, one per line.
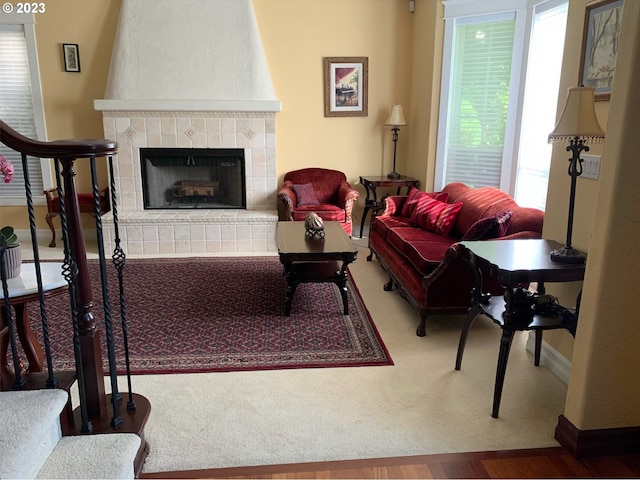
<point x="325" y="192"/>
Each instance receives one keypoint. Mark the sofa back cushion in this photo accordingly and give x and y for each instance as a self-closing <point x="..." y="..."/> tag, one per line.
<point x="526" y="219"/>
<point x="477" y="203"/>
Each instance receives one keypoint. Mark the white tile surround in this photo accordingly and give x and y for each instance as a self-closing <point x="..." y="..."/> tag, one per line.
<point x="193" y="231"/>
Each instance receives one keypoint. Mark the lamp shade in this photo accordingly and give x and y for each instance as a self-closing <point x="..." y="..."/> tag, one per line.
<point x="397" y="117"/>
<point x="578" y="118"/>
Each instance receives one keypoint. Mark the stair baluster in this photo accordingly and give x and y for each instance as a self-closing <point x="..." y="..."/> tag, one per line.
<point x="93" y="410"/>
<point x="119" y="261"/>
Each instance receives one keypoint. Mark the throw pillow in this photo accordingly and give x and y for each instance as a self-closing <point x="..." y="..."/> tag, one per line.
<point x="305" y="194"/>
<point x="436" y="216"/>
<point x="489" y="227"/>
<point x="413" y="198"/>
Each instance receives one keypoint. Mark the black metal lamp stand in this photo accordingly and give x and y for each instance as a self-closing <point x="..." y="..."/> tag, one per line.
<point x="395" y="130"/>
<point x="568" y="254"/>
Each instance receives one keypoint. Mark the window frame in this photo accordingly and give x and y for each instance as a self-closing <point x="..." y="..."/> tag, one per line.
<point x="465" y="12"/>
<point x="27" y="20"/>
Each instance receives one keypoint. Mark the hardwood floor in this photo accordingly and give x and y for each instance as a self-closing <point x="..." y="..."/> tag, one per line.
<point x="532" y="463"/>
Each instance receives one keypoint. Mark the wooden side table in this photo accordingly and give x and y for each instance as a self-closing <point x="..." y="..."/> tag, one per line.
<point x="516" y="263"/>
<point x="371" y="183"/>
<point x="22" y="290"/>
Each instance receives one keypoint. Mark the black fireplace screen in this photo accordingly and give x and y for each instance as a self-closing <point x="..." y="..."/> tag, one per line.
<point x="193" y="178"/>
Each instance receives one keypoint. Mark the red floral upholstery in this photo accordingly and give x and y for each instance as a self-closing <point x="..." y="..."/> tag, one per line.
<point x="334" y="195"/>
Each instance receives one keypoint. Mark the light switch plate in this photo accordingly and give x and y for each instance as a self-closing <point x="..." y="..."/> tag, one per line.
<point x="591" y="166"/>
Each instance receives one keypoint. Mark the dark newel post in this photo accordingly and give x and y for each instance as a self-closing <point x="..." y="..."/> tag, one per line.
<point x="89" y="334"/>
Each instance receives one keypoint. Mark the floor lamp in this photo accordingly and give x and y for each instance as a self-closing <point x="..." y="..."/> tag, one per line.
<point x="395" y="120"/>
<point x="578" y="126"/>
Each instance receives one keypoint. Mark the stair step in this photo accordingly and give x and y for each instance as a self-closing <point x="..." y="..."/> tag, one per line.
<point x="102" y="456"/>
<point x="30" y="430"/>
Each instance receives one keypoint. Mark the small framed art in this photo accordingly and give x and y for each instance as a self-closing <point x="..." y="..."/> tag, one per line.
<point x="346" y="86"/>
<point x="600" y="46"/>
<point x="71" y="57"/>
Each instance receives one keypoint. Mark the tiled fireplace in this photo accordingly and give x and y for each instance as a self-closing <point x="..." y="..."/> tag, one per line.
<point x="194" y="230"/>
<point x="202" y="83"/>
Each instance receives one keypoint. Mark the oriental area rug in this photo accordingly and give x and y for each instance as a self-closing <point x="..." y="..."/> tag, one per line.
<point x="187" y="315"/>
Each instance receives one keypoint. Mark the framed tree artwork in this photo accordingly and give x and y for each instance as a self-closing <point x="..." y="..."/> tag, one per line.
<point x="346" y="86"/>
<point x="600" y="46"/>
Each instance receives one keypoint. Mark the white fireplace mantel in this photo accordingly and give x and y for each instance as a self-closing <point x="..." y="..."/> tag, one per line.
<point x="188" y="105"/>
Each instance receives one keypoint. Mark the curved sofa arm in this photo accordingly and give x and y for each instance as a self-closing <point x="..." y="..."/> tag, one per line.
<point x="347" y="196"/>
<point x="288" y="198"/>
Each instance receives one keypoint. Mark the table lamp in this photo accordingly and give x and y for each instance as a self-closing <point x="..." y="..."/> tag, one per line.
<point x="395" y="120"/>
<point x="577" y="126"/>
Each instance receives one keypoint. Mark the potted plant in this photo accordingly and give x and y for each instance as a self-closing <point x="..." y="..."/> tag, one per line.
<point x="9" y="246"/>
<point x="11" y="252"/>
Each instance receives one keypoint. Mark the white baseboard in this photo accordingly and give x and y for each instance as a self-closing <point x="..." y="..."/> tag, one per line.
<point x="44" y="236"/>
<point x="550" y="358"/>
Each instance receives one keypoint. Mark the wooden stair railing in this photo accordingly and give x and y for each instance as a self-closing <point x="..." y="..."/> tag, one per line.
<point x="98" y="412"/>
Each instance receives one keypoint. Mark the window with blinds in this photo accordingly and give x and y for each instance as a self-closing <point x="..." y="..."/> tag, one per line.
<point x="17" y="109"/>
<point x="479" y="96"/>
<point x="500" y="77"/>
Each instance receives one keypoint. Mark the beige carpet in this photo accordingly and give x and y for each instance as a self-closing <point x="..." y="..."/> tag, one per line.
<point x="421" y="405"/>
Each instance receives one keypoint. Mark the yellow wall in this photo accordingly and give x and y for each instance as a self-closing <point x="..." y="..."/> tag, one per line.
<point x="68" y="97"/>
<point x="604" y="391"/>
<point x="426" y="70"/>
<point x="296" y="36"/>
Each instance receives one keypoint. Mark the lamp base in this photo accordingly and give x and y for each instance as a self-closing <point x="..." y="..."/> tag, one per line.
<point x="394" y="174"/>
<point x="568" y="255"/>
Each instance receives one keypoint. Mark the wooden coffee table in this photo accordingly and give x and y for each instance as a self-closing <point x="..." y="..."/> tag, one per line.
<point x="315" y="260"/>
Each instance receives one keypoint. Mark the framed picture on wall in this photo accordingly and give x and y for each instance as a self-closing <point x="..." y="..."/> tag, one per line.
<point x="600" y="46"/>
<point x="71" y="57"/>
<point x="346" y="85"/>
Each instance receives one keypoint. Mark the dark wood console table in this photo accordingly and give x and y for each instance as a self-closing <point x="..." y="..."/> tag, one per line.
<point x="371" y="183"/>
<point x="516" y="263"/>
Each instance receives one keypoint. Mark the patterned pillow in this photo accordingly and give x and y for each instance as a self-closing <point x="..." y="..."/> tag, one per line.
<point x="414" y="196"/>
<point x="436" y="216"/>
<point x="305" y="194"/>
<point x="486" y="228"/>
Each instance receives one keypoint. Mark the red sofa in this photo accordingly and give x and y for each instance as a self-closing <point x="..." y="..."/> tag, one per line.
<point x="415" y="246"/>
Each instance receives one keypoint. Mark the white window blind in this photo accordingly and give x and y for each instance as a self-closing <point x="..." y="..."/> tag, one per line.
<point x="479" y="96"/>
<point x="16" y="108"/>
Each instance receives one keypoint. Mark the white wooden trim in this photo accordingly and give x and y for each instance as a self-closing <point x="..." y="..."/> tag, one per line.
<point x="551" y="358"/>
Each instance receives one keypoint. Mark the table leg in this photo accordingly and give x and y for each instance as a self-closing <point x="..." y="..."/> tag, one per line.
<point x="538" y="350"/>
<point x="292" y="284"/>
<point x="341" y="282"/>
<point x="49" y="219"/>
<point x="503" y="357"/>
<point x="32" y="349"/>
<point x="474" y="311"/>
<point x="364" y="216"/>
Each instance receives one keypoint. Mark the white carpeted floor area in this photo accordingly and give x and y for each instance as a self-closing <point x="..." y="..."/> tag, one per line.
<point x="421" y="405"/>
